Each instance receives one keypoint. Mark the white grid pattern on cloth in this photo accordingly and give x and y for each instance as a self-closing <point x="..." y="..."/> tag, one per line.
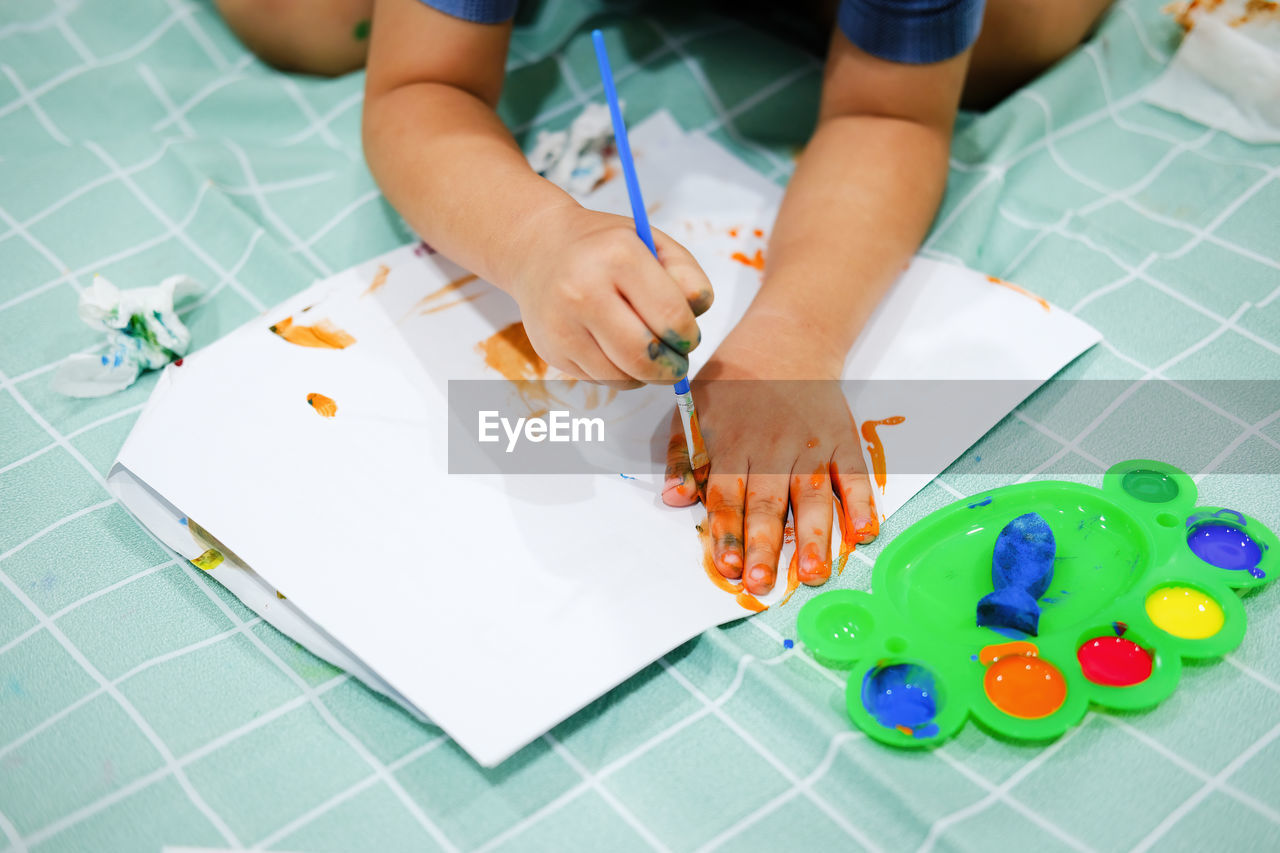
<point x="182" y="14"/>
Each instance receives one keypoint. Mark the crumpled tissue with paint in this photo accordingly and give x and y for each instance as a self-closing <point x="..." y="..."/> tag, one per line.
<point x="1226" y="73"/>
<point x="143" y="333"/>
<point x="578" y="159"/>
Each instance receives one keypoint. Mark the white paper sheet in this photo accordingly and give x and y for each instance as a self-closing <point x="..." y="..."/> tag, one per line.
<point x="499" y="606"/>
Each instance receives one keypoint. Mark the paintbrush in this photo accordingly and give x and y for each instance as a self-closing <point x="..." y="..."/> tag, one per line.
<point x="698" y="459"/>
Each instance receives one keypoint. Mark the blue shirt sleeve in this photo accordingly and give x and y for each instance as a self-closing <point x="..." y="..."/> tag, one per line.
<point x="476" y="11"/>
<point x="914" y="31"/>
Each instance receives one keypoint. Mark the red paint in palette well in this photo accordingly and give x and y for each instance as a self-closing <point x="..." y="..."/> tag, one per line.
<point x="1114" y="661"/>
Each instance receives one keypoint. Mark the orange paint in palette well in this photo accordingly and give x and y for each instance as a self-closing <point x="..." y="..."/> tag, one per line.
<point x="1019" y="682"/>
<point x="324" y="406"/>
<point x="756" y="261"/>
<point x="321" y="335"/>
<point x="1044" y="303"/>
<point x="876" y="447"/>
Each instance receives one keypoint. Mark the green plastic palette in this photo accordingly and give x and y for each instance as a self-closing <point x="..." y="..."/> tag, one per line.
<point x="1142" y="578"/>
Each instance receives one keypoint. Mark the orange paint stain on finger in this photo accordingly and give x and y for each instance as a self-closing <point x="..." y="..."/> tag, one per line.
<point x="756" y="261"/>
<point x="324" y="406"/>
<point x="876" y="447"/>
<point x="1044" y="303"/>
<point x="745" y="599"/>
<point x="379" y="279"/>
<point x="850" y="535"/>
<point x="321" y="335"/>
<point x="793" y="578"/>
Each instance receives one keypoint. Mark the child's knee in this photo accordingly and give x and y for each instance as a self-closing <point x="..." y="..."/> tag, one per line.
<point x="325" y="37"/>
<point x="1020" y="39"/>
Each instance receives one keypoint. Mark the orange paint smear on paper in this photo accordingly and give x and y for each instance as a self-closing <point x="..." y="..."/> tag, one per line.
<point x="610" y="172"/>
<point x="379" y="279"/>
<point x="423" y="305"/>
<point x="323" y="405"/>
<point x="876" y="447"/>
<point x="322" y="335"/>
<point x="509" y="352"/>
<point x="449" y="305"/>
<point x="756" y="261"/>
<point x="733" y="232"/>
<point x="759" y="232"/>
<point x="1044" y="303"/>
<point x="744" y="598"/>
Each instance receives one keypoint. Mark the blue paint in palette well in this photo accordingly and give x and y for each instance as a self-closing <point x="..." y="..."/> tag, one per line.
<point x="902" y="696"/>
<point x="1225" y="546"/>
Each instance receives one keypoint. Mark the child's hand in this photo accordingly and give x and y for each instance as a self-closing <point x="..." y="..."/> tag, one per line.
<point x="773" y="442"/>
<point x="597" y="305"/>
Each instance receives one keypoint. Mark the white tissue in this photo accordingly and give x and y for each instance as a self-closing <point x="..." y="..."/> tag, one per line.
<point x="143" y="333"/>
<point x="1226" y="74"/>
<point x="576" y="160"/>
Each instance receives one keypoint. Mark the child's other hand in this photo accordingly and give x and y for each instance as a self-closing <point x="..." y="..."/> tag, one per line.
<point x="773" y="442"/>
<point x="597" y="305"/>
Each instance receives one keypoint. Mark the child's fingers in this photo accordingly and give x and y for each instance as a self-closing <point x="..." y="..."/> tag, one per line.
<point x="595" y="366"/>
<point x="679" y="489"/>
<point x="726" y="499"/>
<point x="686" y="271"/>
<point x="811" y="503"/>
<point x="659" y="303"/>
<point x="857" y="502"/>
<point x="633" y="348"/>
<point x="766" y="512"/>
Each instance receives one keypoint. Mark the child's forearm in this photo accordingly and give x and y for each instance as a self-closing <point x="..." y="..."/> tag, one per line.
<point x="862" y="197"/>
<point x="449" y="166"/>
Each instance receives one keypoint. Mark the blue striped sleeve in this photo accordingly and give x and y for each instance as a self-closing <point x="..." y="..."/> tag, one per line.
<point x="476" y="11"/>
<point x="914" y="31"/>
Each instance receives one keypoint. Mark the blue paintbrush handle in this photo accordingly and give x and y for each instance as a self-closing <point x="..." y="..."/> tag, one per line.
<point x="638" y="212"/>
<point x="697" y="453"/>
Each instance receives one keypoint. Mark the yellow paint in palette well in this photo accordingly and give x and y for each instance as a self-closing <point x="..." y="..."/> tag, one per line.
<point x="1185" y="612"/>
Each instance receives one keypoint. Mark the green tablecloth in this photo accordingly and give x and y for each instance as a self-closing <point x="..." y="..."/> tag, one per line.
<point x="140" y="705"/>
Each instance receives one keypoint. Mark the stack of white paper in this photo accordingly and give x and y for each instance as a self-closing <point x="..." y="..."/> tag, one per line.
<point x="496" y="605"/>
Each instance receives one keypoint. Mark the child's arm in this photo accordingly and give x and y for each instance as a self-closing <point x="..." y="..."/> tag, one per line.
<point x="594" y="302"/>
<point x="862" y="197"/>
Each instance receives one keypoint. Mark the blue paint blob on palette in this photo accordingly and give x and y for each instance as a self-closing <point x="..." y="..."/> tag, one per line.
<point x="1023" y="606"/>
